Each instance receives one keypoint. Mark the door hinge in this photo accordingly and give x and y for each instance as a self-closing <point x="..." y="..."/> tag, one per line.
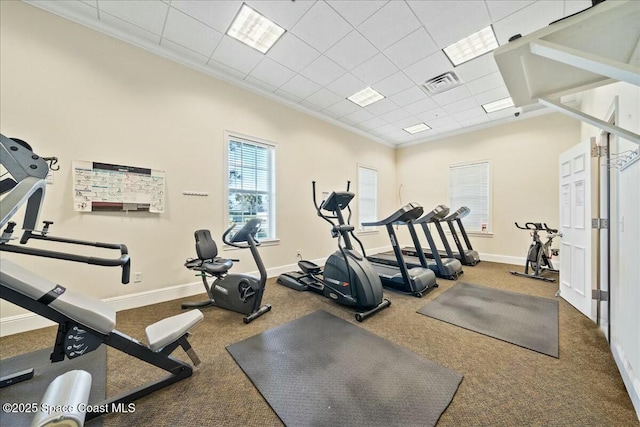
<point x="599" y="295"/>
<point x="600" y="223"/>
<point x="599" y="150"/>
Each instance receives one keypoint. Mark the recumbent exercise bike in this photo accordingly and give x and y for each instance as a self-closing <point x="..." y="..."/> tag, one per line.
<point x="241" y="293"/>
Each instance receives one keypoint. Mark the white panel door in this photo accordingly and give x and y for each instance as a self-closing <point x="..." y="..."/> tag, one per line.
<point x="577" y="270"/>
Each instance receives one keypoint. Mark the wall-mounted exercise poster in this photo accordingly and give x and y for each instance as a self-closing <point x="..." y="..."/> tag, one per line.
<point x="108" y="187"/>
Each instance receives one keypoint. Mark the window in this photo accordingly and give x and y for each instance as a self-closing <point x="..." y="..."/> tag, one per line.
<point x="469" y="186"/>
<point x="367" y="197"/>
<point x="251" y="183"/>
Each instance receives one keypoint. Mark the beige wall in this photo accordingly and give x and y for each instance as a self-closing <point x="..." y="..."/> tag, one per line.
<point x="80" y="95"/>
<point x="524" y="176"/>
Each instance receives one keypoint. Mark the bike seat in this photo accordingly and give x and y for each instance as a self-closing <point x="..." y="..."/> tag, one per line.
<point x="215" y="266"/>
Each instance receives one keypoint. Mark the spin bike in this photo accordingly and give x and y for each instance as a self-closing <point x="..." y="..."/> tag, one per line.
<point x="347" y="278"/>
<point x="241" y="293"/>
<point x="539" y="254"/>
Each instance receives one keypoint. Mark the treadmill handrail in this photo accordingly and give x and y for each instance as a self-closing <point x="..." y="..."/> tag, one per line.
<point x="459" y="214"/>
<point x="408" y="212"/>
<point x="437" y="214"/>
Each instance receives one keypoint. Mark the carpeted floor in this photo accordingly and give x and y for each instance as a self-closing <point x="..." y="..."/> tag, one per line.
<point x="503" y="385"/>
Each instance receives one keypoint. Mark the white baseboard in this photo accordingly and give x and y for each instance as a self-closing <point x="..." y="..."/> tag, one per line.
<point x="629" y="377"/>
<point x="26" y="322"/>
<point x="503" y="259"/>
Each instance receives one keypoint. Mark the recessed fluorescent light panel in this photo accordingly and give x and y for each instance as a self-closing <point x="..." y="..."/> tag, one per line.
<point x="254" y="30"/>
<point x="365" y="97"/>
<point x="472" y="46"/>
<point x="498" y="105"/>
<point x="420" y="127"/>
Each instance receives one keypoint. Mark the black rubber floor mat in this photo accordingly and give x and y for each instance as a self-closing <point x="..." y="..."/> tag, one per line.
<point x="525" y="320"/>
<point x="320" y="370"/>
<point x="31" y="391"/>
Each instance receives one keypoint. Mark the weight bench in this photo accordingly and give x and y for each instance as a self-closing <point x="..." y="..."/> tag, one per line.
<point x="85" y="323"/>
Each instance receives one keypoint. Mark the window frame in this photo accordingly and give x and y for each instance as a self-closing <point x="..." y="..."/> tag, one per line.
<point x="489" y="201"/>
<point x="360" y="228"/>
<point x="239" y="137"/>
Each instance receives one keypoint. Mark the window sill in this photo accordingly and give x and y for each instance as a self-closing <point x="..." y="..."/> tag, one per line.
<point x="479" y="234"/>
<point x="265" y="242"/>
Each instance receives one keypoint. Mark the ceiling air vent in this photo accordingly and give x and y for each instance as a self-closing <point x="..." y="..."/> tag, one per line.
<point x="441" y="83"/>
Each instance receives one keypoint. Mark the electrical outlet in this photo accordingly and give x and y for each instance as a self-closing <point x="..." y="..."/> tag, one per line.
<point x="299" y="254"/>
<point x="137" y="277"/>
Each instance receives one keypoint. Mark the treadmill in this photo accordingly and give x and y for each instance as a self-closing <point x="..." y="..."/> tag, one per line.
<point x="414" y="281"/>
<point x="466" y="256"/>
<point x="443" y="267"/>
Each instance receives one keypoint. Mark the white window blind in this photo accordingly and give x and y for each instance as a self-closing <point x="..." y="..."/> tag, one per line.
<point x="469" y="186"/>
<point x="251" y="188"/>
<point x="367" y="197"/>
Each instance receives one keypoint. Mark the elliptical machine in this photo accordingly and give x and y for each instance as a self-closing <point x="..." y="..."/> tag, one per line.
<point x="348" y="278"/>
<point x="241" y="293"/>
<point x="539" y="254"/>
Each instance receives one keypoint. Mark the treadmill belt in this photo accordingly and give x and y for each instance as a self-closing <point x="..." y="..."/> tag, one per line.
<point x="320" y="370"/>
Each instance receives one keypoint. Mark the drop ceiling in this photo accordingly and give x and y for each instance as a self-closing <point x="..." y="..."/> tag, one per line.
<point x="333" y="49"/>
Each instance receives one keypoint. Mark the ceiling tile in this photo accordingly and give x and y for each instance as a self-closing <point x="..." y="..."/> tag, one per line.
<point x="85" y="9"/>
<point x="288" y="96"/>
<point x="321" y="27"/>
<point x="428" y="68"/>
<point x="448" y="128"/>
<point x="323" y="71"/>
<point x="462" y="115"/>
<point x="473" y="121"/>
<point x="271" y="72"/>
<point x="477" y="67"/>
<point x="449" y="21"/>
<point x="411" y="49"/>
<point x="372" y="124"/>
<point x="217" y="15"/>
<point x="134" y="32"/>
<point x="292" y="52"/>
<point x="260" y="84"/>
<point x="451" y="95"/>
<point x="441" y="122"/>
<point x="462" y="105"/>
<point x="499" y="9"/>
<point x="389" y="24"/>
<point x="356" y="11"/>
<point x="395" y="115"/>
<point x="421" y="106"/>
<point x="283" y="13"/>
<point x="146" y="14"/>
<point x="381" y="107"/>
<point x="346" y="85"/>
<point x="393" y="84"/>
<point x="358" y="116"/>
<point x="492" y="95"/>
<point x="527" y="20"/>
<point x="431" y="115"/>
<point x="309" y="105"/>
<point x="324" y="98"/>
<point x="408" y="96"/>
<point x="406" y="122"/>
<point x="186" y="31"/>
<point x="351" y="51"/>
<point x="225" y="70"/>
<point x="374" y="69"/>
<point x="483" y="84"/>
<point x="300" y="86"/>
<point x="342" y="108"/>
<point x="183" y="52"/>
<point x="236" y="55"/>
